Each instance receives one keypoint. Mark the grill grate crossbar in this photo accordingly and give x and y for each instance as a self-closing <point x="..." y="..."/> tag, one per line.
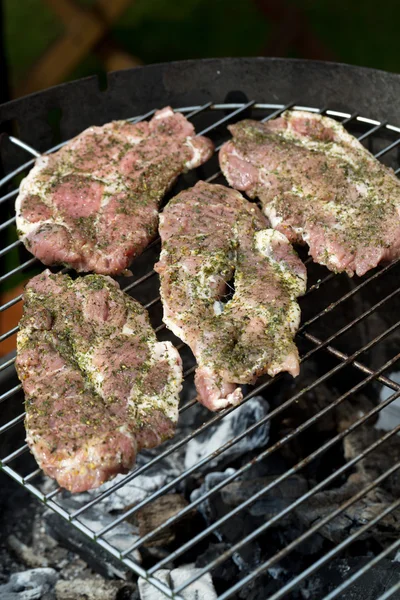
<point x="334" y="552"/>
<point x="372" y="563"/>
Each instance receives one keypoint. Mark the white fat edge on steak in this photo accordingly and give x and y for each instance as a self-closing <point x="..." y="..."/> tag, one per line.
<point x="165" y="112"/>
<point x="195" y="161"/>
<point x="264" y="244"/>
<point x="220" y="403"/>
<point x="28" y="186"/>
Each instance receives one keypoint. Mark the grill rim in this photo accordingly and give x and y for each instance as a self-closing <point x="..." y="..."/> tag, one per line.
<point x="48" y="499"/>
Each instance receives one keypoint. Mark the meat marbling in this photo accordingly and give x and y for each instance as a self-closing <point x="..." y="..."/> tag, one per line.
<point x="98" y="386"/>
<point x="93" y="205"/>
<point x="210" y="234"/>
<point x="318" y="185"/>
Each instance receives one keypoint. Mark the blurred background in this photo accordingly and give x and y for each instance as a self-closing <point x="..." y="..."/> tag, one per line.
<point x="46" y="42"/>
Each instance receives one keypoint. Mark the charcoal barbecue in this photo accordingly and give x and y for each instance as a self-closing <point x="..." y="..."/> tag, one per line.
<point x="348" y="342"/>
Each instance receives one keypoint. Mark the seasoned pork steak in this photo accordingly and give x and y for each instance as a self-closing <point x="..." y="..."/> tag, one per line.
<point x="318" y="185"/>
<point x="98" y="386"/>
<point x="211" y="234"/>
<point x="93" y="205"/>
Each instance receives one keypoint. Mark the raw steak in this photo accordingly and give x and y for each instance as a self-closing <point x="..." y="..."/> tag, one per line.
<point x="93" y="205"/>
<point x="211" y="234"/>
<point x="318" y="185"/>
<point x="98" y="386"/>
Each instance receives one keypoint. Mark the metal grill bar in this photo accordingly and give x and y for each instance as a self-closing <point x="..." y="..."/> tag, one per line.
<point x="11" y="423"/>
<point x="387" y="149"/>
<point x="10" y="194"/>
<point x="335" y="593"/>
<point x="10" y="247"/>
<point x="11" y="303"/>
<point x="227" y="118"/>
<point x="382" y="379"/>
<point x="347" y="296"/>
<point x="24" y="146"/>
<point x="14" y="455"/>
<point x="372" y="131"/>
<point x="31" y="476"/>
<point x="279" y="479"/>
<point x="288" y="587"/>
<point x="390" y="592"/>
<point x="265" y="419"/>
<point x="8" y="334"/>
<point x="252" y="499"/>
<point x="10" y="393"/>
<point x="10" y="176"/>
<point x="4" y="225"/>
<point x="235" y="109"/>
<point x="25" y="265"/>
<point x="220" y="415"/>
<point x="7" y="364"/>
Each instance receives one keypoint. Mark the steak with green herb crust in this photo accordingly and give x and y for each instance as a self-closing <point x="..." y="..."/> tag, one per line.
<point x="320" y="186"/>
<point x="98" y="386"/>
<point x="211" y="234"/>
<point x="93" y="205"/>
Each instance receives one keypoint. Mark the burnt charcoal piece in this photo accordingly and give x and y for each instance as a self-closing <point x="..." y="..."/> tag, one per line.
<point x="155" y="514"/>
<point x="352" y="518"/>
<point x="260" y="589"/>
<point x="235" y="528"/>
<point x="225" y="573"/>
<point x="370" y="586"/>
<point x="272" y="502"/>
<point x="247" y="520"/>
<point x="320" y="397"/>
<point x="379" y="460"/>
<point x="372" y="504"/>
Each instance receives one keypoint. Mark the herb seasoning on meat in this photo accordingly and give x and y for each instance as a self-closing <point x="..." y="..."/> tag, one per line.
<point x="318" y="185"/>
<point x="98" y="386"/>
<point x="210" y="235"/>
<point x="93" y="205"/>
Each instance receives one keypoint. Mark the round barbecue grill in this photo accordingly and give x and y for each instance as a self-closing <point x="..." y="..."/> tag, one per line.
<point x="333" y="429"/>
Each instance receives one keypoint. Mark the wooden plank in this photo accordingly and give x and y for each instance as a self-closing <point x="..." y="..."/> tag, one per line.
<point x="67" y="10"/>
<point x="110" y="10"/>
<point x="84" y="29"/>
<point x="63" y="56"/>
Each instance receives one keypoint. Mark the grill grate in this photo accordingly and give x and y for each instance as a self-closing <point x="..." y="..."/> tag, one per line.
<point x="210" y="119"/>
